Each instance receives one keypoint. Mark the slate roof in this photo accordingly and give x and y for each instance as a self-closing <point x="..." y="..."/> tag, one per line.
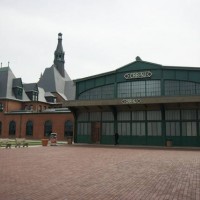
<point x="52" y="81"/>
<point x="7" y="82"/>
<point x="30" y="87"/>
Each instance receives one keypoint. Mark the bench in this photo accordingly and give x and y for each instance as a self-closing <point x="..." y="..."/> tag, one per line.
<point x="20" y="141"/>
<point x="6" y="142"/>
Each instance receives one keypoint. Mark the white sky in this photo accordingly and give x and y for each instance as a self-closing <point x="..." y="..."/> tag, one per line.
<point x="98" y="35"/>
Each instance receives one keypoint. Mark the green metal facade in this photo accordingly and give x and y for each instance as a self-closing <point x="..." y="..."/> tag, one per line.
<point x="139" y="122"/>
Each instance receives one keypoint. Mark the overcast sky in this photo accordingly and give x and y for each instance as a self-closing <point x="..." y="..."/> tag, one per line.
<point x="98" y="35"/>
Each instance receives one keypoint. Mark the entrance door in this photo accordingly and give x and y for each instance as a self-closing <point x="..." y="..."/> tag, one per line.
<point x="95" y="132"/>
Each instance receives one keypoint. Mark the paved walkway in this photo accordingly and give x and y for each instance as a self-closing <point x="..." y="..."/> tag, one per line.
<point x="86" y="172"/>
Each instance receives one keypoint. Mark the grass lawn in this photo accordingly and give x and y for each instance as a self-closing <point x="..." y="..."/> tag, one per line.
<point x="31" y="142"/>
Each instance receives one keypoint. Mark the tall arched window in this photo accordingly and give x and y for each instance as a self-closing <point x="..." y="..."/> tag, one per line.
<point x="68" y="128"/>
<point x="47" y="128"/>
<point x="12" y="128"/>
<point x="0" y="127"/>
<point x="29" y="128"/>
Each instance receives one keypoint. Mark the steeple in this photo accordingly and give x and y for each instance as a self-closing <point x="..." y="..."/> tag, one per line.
<point x="59" y="55"/>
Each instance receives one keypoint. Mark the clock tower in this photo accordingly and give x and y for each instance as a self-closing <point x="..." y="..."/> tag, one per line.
<point x="59" y="55"/>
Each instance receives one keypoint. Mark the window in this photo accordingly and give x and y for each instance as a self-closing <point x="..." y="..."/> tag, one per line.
<point x="83" y="116"/>
<point x="172" y="115"/>
<point x="47" y="128"/>
<point x="107" y="128"/>
<point x="174" y="88"/>
<point x="107" y="116"/>
<point x="154" y="129"/>
<point x="138" y="129"/>
<point x="29" y="128"/>
<point x="187" y="88"/>
<point x="12" y="128"/>
<point x="84" y="129"/>
<point x="18" y="92"/>
<point x="138" y="115"/>
<point x="172" y="128"/>
<point x="68" y="128"/>
<point x="171" y="88"/>
<point x="154" y="115"/>
<point x="153" y="88"/>
<point x="103" y="92"/>
<point x="123" y="116"/>
<point x="124" y="128"/>
<point x="189" y="129"/>
<point x="188" y="114"/>
<point x="138" y="89"/>
<point x="124" y="90"/>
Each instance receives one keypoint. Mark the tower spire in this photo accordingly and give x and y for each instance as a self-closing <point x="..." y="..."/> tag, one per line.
<point x="59" y="55"/>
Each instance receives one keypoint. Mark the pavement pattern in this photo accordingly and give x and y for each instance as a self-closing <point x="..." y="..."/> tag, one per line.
<point x="72" y="172"/>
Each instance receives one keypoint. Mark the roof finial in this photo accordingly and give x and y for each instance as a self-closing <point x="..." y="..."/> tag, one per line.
<point x="138" y="58"/>
<point x="60" y="36"/>
<point x="1" y="64"/>
<point x="8" y="63"/>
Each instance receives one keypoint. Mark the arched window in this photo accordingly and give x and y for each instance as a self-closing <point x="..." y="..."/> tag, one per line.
<point x="68" y="128"/>
<point x="29" y="128"/>
<point x="47" y="128"/>
<point x="0" y="127"/>
<point x="12" y="128"/>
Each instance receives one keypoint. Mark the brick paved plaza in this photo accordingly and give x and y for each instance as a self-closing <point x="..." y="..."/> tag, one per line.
<point x="86" y="172"/>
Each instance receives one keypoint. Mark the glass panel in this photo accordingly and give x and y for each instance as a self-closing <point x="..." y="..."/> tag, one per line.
<point x="47" y="128"/>
<point x="83" y="116"/>
<point x="154" y="115"/>
<point x="12" y="128"/>
<point x="95" y="116"/>
<point x="171" y="88"/>
<point x="187" y="87"/>
<point x="138" y="115"/>
<point x="124" y="90"/>
<point x="124" y="128"/>
<point x="138" y="129"/>
<point x="103" y="92"/>
<point x="29" y="128"/>
<point x="197" y="88"/>
<point x="188" y="114"/>
<point x="154" y="129"/>
<point x="107" y="92"/>
<point x="123" y="116"/>
<point x="172" y="129"/>
<point x="138" y="89"/>
<point x="189" y="129"/>
<point x="107" y="116"/>
<point x="84" y="129"/>
<point x="172" y="114"/>
<point x="107" y="128"/>
<point x="95" y="93"/>
<point x="153" y="88"/>
<point x="68" y="128"/>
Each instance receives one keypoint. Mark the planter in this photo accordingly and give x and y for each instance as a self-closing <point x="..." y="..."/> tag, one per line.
<point x="45" y="142"/>
<point x="169" y="143"/>
<point x="69" y="140"/>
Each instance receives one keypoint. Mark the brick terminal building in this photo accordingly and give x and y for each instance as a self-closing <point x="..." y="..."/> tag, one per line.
<point x="146" y="103"/>
<point x="34" y="110"/>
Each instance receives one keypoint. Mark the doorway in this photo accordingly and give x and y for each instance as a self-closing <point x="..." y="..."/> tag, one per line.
<point x="95" y="132"/>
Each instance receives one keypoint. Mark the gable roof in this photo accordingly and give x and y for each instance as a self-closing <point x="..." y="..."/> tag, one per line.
<point x="7" y="82"/>
<point x="52" y="81"/>
<point x="139" y="65"/>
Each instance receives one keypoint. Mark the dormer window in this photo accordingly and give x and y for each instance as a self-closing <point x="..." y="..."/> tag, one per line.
<point x="17" y="88"/>
<point x="18" y="92"/>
